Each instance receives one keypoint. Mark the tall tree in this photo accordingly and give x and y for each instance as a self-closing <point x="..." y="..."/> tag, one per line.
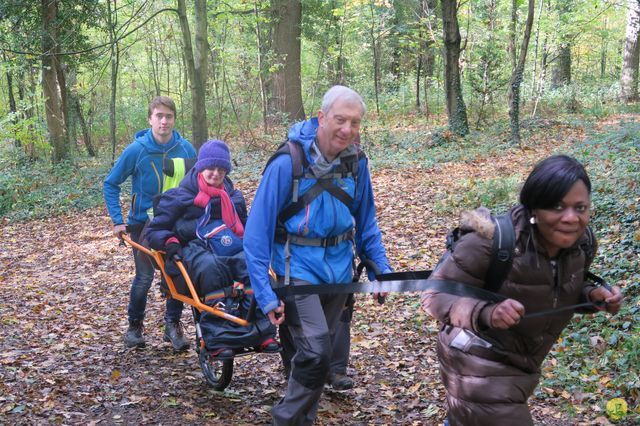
<point x="112" y="22"/>
<point x="261" y="53"/>
<point x="50" y="84"/>
<point x="395" y="35"/>
<point x="629" y="79"/>
<point x="486" y="73"/>
<point x="561" y="75"/>
<point x="286" y="94"/>
<point x="375" y="49"/>
<point x="456" y="109"/>
<point x="427" y="50"/>
<point x="12" y="100"/>
<point x="518" y="74"/>
<point x="196" y="61"/>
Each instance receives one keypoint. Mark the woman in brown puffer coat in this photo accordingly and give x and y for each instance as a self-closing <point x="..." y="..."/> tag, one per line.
<point x="490" y="356"/>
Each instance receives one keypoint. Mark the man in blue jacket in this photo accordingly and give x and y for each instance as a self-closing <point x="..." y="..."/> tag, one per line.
<point x="313" y="243"/>
<point x="143" y="160"/>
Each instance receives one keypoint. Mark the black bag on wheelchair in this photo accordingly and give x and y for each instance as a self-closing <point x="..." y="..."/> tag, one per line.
<point x="220" y="333"/>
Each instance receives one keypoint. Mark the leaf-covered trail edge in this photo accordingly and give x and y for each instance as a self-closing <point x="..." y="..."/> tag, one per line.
<point x="65" y="284"/>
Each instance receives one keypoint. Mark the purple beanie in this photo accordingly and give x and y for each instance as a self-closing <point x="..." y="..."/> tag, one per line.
<point x="214" y="153"/>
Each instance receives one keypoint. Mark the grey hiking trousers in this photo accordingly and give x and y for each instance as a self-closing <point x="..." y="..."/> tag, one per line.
<point x="310" y="319"/>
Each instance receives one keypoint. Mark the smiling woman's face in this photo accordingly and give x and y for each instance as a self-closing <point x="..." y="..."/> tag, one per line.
<point x="214" y="176"/>
<point x="561" y="225"/>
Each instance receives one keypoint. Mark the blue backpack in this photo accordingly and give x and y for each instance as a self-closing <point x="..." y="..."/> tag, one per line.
<point x="217" y="235"/>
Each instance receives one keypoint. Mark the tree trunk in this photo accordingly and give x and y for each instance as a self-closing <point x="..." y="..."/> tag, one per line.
<point x="396" y="52"/>
<point x="562" y="70"/>
<point x="427" y="56"/>
<point x="196" y="61"/>
<point x="516" y="78"/>
<point x="71" y="118"/>
<point x="456" y="109"/>
<point x="86" y="134"/>
<point x="112" y="21"/>
<point x="335" y="36"/>
<point x="261" y="72"/>
<point x="512" y="34"/>
<point x="152" y="52"/>
<point x="12" y="104"/>
<point x="286" y="85"/>
<point x="50" y="84"/>
<point x="629" y="79"/>
<point x="603" y="49"/>
<point x="376" y="57"/>
<point x="62" y="83"/>
<point x="26" y="95"/>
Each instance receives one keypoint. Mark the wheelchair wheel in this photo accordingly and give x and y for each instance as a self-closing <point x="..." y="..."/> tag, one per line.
<point x="216" y="372"/>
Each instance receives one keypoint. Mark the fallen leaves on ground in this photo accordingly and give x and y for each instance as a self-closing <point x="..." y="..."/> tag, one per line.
<point x="65" y="284"/>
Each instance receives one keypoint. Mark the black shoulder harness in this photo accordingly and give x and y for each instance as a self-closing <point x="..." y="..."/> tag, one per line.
<point x="502" y="249"/>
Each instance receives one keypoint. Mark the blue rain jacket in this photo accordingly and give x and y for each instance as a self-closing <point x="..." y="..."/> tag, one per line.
<point x="326" y="216"/>
<point x="142" y="160"/>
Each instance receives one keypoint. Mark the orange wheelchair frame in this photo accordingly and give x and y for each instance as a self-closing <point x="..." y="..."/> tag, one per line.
<point x="217" y="372"/>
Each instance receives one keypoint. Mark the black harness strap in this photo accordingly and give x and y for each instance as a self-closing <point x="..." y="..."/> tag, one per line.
<point x="392" y="286"/>
<point x="504" y="241"/>
<point x="312" y="193"/>
<point x="414" y="281"/>
<point x="337" y="192"/>
<point x="282" y="237"/>
<point x="306" y="198"/>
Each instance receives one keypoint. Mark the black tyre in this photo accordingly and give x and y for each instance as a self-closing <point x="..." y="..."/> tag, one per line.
<point x="216" y="372"/>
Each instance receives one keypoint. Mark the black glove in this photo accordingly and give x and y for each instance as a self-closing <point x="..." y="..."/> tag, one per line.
<point x="173" y="251"/>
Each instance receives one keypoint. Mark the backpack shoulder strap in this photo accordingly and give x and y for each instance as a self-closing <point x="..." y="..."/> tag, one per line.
<point x="503" y="246"/>
<point x="504" y="241"/>
<point x="298" y="159"/>
<point x="589" y="248"/>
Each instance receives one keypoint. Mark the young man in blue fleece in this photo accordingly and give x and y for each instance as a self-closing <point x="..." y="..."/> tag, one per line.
<point x="143" y="160"/>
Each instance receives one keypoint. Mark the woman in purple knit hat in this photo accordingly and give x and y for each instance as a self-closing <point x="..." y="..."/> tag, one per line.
<point x="202" y="222"/>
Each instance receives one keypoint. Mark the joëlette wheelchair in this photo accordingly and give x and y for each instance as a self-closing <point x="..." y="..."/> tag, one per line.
<point x="217" y="372"/>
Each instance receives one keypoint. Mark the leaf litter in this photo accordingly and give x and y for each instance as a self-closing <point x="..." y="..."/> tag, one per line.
<point x="65" y="284"/>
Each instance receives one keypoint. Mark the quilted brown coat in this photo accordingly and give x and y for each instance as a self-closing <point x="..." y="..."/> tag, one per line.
<point x="490" y="374"/>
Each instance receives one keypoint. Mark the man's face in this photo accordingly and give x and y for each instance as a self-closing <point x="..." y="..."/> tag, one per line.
<point x="338" y="127"/>
<point x="162" y="120"/>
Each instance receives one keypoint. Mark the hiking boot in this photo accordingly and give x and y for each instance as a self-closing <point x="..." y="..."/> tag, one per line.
<point x="222" y="353"/>
<point x="339" y="382"/>
<point x="133" y="337"/>
<point x="269" y="346"/>
<point x="174" y="333"/>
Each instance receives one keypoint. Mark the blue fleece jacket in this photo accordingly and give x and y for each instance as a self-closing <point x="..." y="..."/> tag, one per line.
<point x="326" y="216"/>
<point x="142" y="160"/>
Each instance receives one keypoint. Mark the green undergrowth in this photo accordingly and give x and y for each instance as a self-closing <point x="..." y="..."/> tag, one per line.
<point x="428" y="147"/>
<point x="36" y="189"/>
<point x="599" y="355"/>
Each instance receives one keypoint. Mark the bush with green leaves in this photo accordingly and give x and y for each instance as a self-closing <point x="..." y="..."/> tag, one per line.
<point x="34" y="189"/>
<point x="598" y="355"/>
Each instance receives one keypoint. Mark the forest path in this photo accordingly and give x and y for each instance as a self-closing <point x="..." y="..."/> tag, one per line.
<point x="65" y="285"/>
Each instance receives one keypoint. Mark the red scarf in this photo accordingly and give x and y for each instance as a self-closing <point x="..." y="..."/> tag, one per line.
<point x="229" y="215"/>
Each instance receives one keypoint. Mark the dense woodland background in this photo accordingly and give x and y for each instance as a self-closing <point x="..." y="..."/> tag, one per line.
<point x="77" y="74"/>
<point x="463" y="98"/>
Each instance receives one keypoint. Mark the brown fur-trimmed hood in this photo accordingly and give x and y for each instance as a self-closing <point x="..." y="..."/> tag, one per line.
<point x="478" y="220"/>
